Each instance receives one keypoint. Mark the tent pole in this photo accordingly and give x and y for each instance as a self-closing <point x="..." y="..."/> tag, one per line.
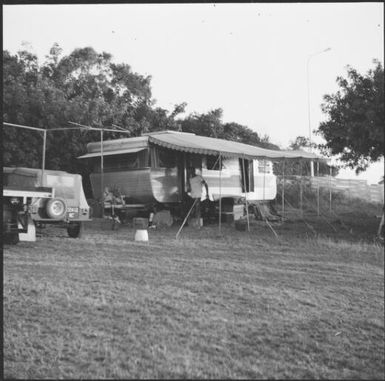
<point x="244" y="186"/>
<point x="220" y="193"/>
<point x="318" y="188"/>
<point x="283" y="190"/>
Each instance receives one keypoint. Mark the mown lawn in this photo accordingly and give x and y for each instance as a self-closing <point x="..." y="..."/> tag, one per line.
<point x="209" y="305"/>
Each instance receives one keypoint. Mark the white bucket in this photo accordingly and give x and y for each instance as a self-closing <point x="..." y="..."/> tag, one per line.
<point x="141" y="235"/>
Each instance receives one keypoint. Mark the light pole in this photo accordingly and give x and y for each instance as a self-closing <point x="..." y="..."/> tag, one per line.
<point x="308" y="102"/>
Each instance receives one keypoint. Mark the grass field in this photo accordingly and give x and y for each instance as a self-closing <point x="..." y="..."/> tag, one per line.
<point x="209" y="305"/>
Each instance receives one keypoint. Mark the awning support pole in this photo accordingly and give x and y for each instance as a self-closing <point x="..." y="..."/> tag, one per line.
<point x="318" y="200"/>
<point x="43" y="158"/>
<point x="271" y="228"/>
<point x="301" y="190"/>
<point x="244" y="186"/>
<point x="264" y="176"/>
<point x="283" y="190"/>
<point x="185" y="219"/>
<point x="102" y="171"/>
<point x="264" y="217"/>
<point x="220" y="193"/>
<point x="330" y="190"/>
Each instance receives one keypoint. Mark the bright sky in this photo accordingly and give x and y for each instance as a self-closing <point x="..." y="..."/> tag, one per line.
<point x="248" y="59"/>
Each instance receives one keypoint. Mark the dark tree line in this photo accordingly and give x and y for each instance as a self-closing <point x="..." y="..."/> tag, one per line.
<point x="86" y="87"/>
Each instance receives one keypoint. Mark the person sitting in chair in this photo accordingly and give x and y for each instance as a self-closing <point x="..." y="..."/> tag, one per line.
<point x="107" y="196"/>
<point x="111" y="198"/>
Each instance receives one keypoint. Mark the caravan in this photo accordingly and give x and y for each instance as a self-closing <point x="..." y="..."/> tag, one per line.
<point x="152" y="171"/>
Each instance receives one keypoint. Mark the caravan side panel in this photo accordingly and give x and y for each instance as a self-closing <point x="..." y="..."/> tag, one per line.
<point x="134" y="184"/>
<point x="165" y="184"/>
<point x="145" y="185"/>
<point x="229" y="178"/>
<point x="265" y="183"/>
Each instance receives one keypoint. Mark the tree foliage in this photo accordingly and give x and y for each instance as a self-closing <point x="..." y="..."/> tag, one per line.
<point x="354" y="128"/>
<point x="88" y="88"/>
<point x="211" y="125"/>
<point x="301" y="142"/>
<point x="84" y="87"/>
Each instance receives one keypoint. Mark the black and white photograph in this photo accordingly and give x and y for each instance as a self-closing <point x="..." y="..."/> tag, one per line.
<point x="193" y="190"/>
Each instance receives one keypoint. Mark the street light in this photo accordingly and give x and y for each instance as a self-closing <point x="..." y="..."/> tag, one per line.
<point x="308" y="102"/>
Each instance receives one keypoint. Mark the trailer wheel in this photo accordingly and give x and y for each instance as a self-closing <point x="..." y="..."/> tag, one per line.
<point x="75" y="229"/>
<point x="56" y="208"/>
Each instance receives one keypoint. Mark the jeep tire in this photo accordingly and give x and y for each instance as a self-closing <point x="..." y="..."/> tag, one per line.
<point x="75" y="229"/>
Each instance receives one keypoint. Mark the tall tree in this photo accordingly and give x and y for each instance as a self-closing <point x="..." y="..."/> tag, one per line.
<point x="88" y="88"/>
<point x="84" y="87"/>
<point x="210" y="124"/>
<point x="354" y="128"/>
<point x="21" y="98"/>
<point x="237" y="132"/>
<point x="300" y="142"/>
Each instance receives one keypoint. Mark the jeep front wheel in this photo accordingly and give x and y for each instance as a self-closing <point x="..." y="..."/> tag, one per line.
<point x="75" y="229"/>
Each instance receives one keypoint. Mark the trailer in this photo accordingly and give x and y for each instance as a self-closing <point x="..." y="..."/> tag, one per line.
<point x="35" y="197"/>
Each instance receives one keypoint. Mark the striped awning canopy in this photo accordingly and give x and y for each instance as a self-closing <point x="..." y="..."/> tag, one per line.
<point x="188" y="142"/>
<point x="212" y="146"/>
<point x="107" y="153"/>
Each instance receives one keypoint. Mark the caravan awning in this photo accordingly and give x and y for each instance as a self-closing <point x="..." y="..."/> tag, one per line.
<point x="211" y="146"/>
<point x="107" y="153"/>
<point x="189" y="142"/>
<point x="299" y="154"/>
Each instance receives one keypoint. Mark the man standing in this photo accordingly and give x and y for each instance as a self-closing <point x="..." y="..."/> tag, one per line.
<point x="196" y="182"/>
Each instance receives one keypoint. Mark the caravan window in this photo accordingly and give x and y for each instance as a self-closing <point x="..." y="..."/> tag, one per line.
<point x="118" y="162"/>
<point x="211" y="162"/>
<point x="164" y="158"/>
<point x="264" y="166"/>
